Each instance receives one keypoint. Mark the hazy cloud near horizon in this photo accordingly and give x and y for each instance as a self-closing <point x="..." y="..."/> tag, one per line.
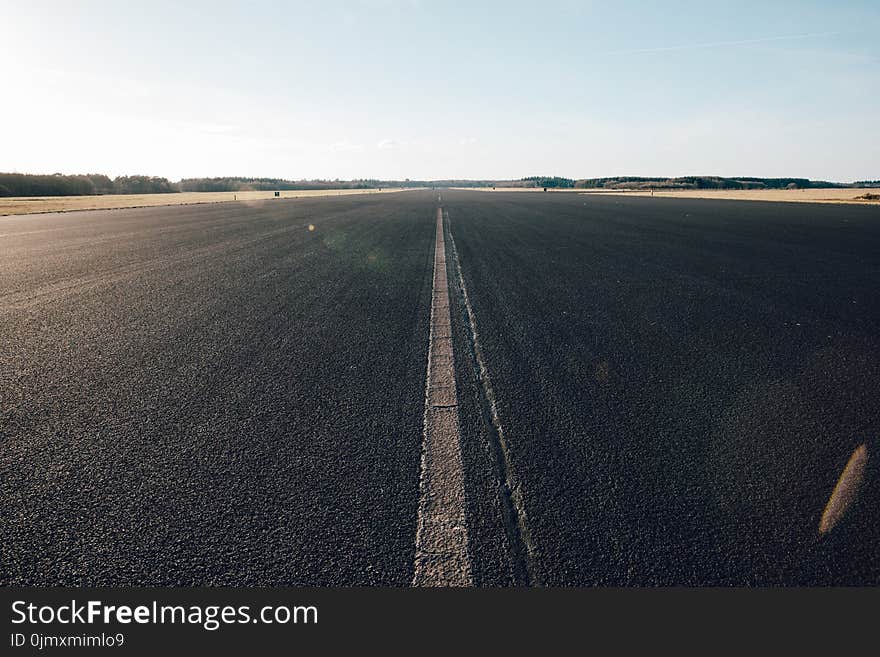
<point x="391" y="89"/>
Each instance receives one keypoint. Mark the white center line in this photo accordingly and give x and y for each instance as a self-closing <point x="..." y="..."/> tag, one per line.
<point x="441" y="537"/>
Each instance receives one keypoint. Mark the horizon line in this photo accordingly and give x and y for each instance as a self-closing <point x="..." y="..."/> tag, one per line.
<point x="442" y="179"/>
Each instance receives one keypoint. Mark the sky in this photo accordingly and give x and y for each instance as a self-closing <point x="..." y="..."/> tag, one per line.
<point x="415" y="89"/>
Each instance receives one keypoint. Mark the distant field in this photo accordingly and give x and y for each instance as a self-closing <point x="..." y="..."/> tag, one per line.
<point x="35" y="204"/>
<point x="831" y="195"/>
<point x="522" y="189"/>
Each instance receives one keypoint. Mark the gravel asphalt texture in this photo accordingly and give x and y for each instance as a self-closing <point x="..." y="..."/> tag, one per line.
<point x="233" y="394"/>
<point x="681" y="382"/>
<point x="214" y="394"/>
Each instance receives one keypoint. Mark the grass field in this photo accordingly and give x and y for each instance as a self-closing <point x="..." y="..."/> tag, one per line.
<point x="37" y="204"/>
<point x="830" y="195"/>
<point x="518" y="189"/>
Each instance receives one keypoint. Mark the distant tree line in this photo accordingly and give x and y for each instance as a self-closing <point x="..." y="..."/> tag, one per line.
<point x="236" y="184"/>
<point x="554" y="182"/>
<point x="22" y="184"/>
<point x="702" y="182"/>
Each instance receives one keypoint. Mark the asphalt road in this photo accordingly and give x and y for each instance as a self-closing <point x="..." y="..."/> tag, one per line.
<point x="680" y="383"/>
<point x="219" y="395"/>
<point x="214" y="394"/>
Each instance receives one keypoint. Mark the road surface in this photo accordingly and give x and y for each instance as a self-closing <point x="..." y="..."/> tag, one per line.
<point x="648" y="391"/>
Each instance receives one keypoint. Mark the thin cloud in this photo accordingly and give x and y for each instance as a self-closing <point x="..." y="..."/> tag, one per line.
<point x="344" y="147"/>
<point x="722" y="44"/>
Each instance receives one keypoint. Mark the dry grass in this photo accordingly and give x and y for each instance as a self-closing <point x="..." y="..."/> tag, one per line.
<point x="32" y="205"/>
<point x="831" y="195"/>
<point x="520" y="189"/>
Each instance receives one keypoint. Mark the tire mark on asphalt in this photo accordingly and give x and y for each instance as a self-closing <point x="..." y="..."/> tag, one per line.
<point x="441" y="557"/>
<point x="523" y="563"/>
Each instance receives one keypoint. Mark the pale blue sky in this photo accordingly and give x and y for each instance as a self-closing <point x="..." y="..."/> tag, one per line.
<point x="418" y="89"/>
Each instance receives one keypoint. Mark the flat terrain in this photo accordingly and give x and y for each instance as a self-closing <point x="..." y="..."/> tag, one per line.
<point x="39" y="204"/>
<point x="831" y="195"/>
<point x="680" y="382"/>
<point x="234" y="393"/>
<point x="214" y="394"/>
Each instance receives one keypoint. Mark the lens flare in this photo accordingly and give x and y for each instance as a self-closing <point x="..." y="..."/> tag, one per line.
<point x="846" y="489"/>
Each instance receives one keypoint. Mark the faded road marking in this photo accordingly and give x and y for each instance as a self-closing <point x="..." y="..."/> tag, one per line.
<point x="523" y="563"/>
<point x="845" y="490"/>
<point x="441" y="537"/>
